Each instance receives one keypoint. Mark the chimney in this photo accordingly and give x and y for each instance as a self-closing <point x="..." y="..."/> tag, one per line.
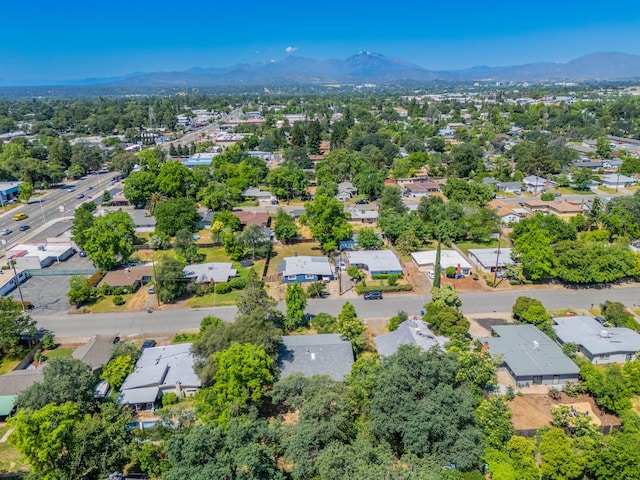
<point x="485" y="347"/>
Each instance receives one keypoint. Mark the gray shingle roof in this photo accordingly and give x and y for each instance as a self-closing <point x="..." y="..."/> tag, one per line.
<point x="409" y="332"/>
<point x="588" y="333"/>
<point x="13" y="383"/>
<point x="96" y="352"/>
<point x="139" y="395"/>
<point x="325" y="354"/>
<point x="529" y="352"/>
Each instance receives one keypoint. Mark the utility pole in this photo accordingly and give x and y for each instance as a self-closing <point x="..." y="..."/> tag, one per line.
<point x="17" y="281"/>
<point x="157" y="287"/>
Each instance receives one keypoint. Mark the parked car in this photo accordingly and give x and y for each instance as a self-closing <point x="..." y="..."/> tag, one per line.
<point x="431" y="274"/>
<point x="373" y="296"/>
<point x="601" y="320"/>
<point x="24" y="227"/>
<point x="115" y="340"/>
<point x="148" y="344"/>
<point x="82" y="254"/>
<point x="362" y="202"/>
<point x="151" y="290"/>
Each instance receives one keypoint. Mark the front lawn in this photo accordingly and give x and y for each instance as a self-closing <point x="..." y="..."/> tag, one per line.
<point x="106" y="305"/>
<point x="215" y="299"/>
<point x="8" y="364"/>
<point x="59" y="353"/>
<point x="10" y="459"/>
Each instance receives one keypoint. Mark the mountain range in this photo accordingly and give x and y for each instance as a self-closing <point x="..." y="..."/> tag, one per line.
<point x="369" y="67"/>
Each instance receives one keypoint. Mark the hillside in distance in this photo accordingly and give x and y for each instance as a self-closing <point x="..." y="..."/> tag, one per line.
<point x="376" y="68"/>
<point x="370" y="67"/>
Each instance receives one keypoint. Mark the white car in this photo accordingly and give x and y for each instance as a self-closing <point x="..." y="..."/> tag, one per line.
<point x="431" y="274"/>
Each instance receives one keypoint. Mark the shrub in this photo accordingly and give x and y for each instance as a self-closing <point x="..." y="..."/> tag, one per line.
<point x="514" y="282"/>
<point x="48" y="342"/>
<point x="363" y="288"/>
<point x="450" y="272"/>
<point x="94" y="279"/>
<point x="489" y="283"/>
<point x="238" y="283"/>
<point x="169" y="398"/>
<point x="547" y="197"/>
<point x="118" y="300"/>
<point x="223" y="288"/>
<point x="392" y="280"/>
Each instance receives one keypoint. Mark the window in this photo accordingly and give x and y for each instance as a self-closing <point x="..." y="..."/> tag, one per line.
<point x="605" y="356"/>
<point x="309" y="276"/>
<point x="291" y="277"/>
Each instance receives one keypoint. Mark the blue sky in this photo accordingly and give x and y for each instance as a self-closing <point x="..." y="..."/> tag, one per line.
<point x="71" y="39"/>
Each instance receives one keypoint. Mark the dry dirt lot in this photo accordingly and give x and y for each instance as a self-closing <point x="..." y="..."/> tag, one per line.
<point x="533" y="411"/>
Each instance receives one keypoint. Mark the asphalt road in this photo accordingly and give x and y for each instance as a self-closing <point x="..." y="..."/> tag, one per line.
<point x="171" y="320"/>
<point x="47" y="207"/>
<point x="209" y="130"/>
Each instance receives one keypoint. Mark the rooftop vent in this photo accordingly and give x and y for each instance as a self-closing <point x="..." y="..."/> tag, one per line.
<point x="604" y="334"/>
<point x="536" y="345"/>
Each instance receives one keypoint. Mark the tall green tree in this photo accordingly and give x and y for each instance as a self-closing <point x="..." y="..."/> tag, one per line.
<point x="14" y="323"/>
<point x="327" y="221"/>
<point x="82" y="222"/>
<point x="170" y="278"/>
<point x="296" y="301"/>
<point x="176" y="214"/>
<point x="285" y="227"/>
<point x="110" y="240"/>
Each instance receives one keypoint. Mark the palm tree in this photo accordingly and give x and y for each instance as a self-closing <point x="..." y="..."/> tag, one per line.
<point x="154" y="199"/>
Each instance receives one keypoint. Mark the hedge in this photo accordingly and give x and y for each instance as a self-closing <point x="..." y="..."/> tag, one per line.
<point x="360" y="288"/>
<point x="384" y="276"/>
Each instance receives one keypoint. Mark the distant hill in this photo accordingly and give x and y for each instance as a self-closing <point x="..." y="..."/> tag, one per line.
<point x="369" y="67"/>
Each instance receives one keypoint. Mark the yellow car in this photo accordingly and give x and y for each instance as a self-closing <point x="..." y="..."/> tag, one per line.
<point x="20" y="216"/>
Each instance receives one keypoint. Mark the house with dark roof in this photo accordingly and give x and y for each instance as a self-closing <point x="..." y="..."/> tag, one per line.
<point x="530" y="357"/>
<point x="96" y="352"/>
<point x="410" y="332"/>
<point x="325" y="354"/>
<point x="252" y="218"/>
<point x="14" y="383"/>
<point x="128" y="277"/>
<point x="304" y="269"/>
<point x="598" y="343"/>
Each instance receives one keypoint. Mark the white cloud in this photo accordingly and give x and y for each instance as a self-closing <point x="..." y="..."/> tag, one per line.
<point x="290" y="49"/>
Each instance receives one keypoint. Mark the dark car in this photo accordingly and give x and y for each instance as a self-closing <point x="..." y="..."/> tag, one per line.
<point x="148" y="344"/>
<point x="373" y="296"/>
<point x="115" y="340"/>
<point x="24" y="227"/>
<point x="601" y="320"/>
<point x="362" y="202"/>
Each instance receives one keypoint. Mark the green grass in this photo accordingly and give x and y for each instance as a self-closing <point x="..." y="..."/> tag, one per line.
<point x="215" y="300"/>
<point x="8" y="364"/>
<point x="214" y="254"/>
<point x="491" y="243"/>
<point x="572" y="191"/>
<point x="59" y="353"/>
<point x="10" y="461"/>
<point x="604" y="189"/>
<point x="106" y="305"/>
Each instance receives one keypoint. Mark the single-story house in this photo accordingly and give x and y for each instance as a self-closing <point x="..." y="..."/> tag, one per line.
<point x="257" y="194"/>
<point x="142" y="219"/>
<point x="597" y="343"/>
<point x="252" y="218"/>
<point x="352" y="243"/>
<point x="214" y="272"/>
<point x="617" y="180"/>
<point x="530" y="357"/>
<point x="34" y="256"/>
<point x="491" y="259"/>
<point x="508" y="212"/>
<point x="160" y="370"/>
<point x="513" y="187"/>
<point x="409" y="332"/>
<point x="132" y="277"/>
<point x="535" y="184"/>
<point x="377" y="262"/>
<point x="420" y="189"/>
<point x="325" y="354"/>
<point x="304" y="269"/>
<point x="96" y="352"/>
<point x="347" y="187"/>
<point x="12" y="384"/>
<point x="560" y="208"/>
<point x="363" y="216"/>
<point x="448" y="258"/>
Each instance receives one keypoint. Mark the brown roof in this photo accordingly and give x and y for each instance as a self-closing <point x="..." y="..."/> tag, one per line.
<point x="127" y="277"/>
<point x="559" y="207"/>
<point x="17" y="381"/>
<point x="252" y="218"/>
<point x="422" y="187"/>
<point x="96" y="352"/>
